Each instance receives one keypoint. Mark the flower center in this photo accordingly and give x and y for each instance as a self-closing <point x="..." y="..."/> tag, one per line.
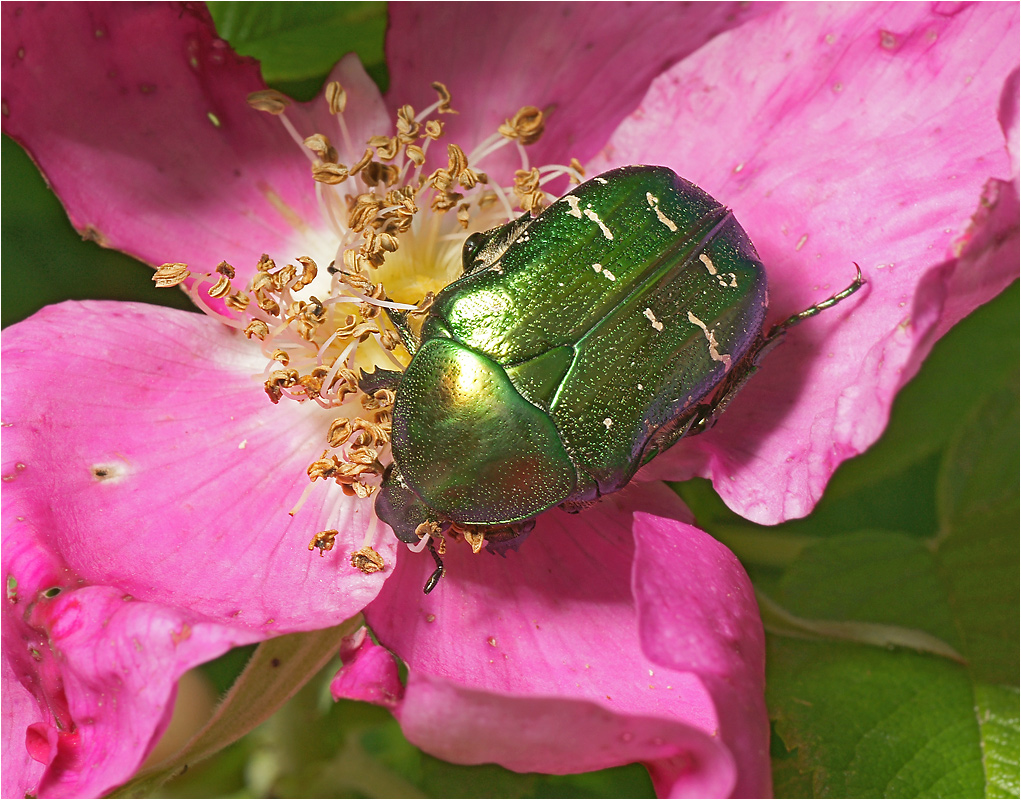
<point x="394" y="236"/>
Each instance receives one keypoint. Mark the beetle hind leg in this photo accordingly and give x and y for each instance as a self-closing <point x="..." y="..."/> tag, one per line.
<point x="704" y="415"/>
<point x="777" y="331"/>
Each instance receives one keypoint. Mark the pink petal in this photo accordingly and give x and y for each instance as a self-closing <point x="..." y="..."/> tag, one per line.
<point x="535" y="661"/>
<point x="697" y="612"/>
<point x="369" y="674"/>
<point x="89" y="672"/>
<point x="557" y="735"/>
<point x="856" y="132"/>
<point x="143" y="449"/>
<point x="586" y="64"/>
<point x="155" y="150"/>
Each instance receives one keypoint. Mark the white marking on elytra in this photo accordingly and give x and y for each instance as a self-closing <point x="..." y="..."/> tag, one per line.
<point x="573" y="202"/>
<point x="640" y="387"/>
<point x="609" y="275"/>
<point x="608" y="423"/>
<point x="708" y="263"/>
<point x="597" y="267"/>
<point x="654" y="202"/>
<point x="656" y="324"/>
<point x="600" y="180"/>
<point x="733" y="280"/>
<point x="714" y="352"/>
<point x="592" y="215"/>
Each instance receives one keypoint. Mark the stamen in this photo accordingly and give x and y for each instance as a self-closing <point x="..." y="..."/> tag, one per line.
<point x="367" y="560"/>
<point x="306" y="492"/>
<point x="523" y="154"/>
<point x="420" y="545"/>
<point x="377" y="302"/>
<point x="488" y="146"/>
<point x="502" y="196"/>
<point x="199" y="300"/>
<point x="370" y="532"/>
<point x="324" y="540"/>
<point x="338" y="364"/>
<point x="386" y="351"/>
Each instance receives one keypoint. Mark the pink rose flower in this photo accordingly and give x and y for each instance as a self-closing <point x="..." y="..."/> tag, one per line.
<point x="148" y="477"/>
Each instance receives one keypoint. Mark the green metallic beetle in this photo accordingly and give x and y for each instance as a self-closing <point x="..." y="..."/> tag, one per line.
<point x="577" y="346"/>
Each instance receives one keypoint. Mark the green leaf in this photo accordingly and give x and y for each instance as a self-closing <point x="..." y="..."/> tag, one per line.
<point x="865" y="722"/>
<point x="997" y="710"/>
<point x="882" y="577"/>
<point x="977" y="548"/>
<point x="299" y="41"/>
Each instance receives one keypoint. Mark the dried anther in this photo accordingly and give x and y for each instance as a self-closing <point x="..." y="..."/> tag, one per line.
<point x="442" y="91"/>
<point x="429" y="528"/>
<point x="269" y="100"/>
<point x="407" y="125"/>
<point x="238" y="301"/>
<point x="475" y="539"/>
<point x="434" y="129"/>
<point x="324" y="540"/>
<point x="171" y="275"/>
<point x="526" y="126"/>
<point x="279" y="380"/>
<point x="330" y="174"/>
<point x="221" y="288"/>
<point x="321" y="146"/>
<point x="336" y="97"/>
<point x="340" y="431"/>
<point x="367" y="560"/>
<point x="257" y="329"/>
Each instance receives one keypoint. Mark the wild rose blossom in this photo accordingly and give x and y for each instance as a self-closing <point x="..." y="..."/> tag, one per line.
<point x="146" y="524"/>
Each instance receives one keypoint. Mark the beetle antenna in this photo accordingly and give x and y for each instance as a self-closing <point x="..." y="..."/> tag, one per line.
<point x="437" y="574"/>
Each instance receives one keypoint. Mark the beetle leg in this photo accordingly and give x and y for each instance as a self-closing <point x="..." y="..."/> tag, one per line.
<point x="706" y="414"/>
<point x="399" y="319"/>
<point x="437" y="573"/>
<point x="371" y="382"/>
<point x="777" y="330"/>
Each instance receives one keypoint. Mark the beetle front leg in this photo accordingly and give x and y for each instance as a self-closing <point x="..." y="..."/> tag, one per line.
<point x="437" y="573"/>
